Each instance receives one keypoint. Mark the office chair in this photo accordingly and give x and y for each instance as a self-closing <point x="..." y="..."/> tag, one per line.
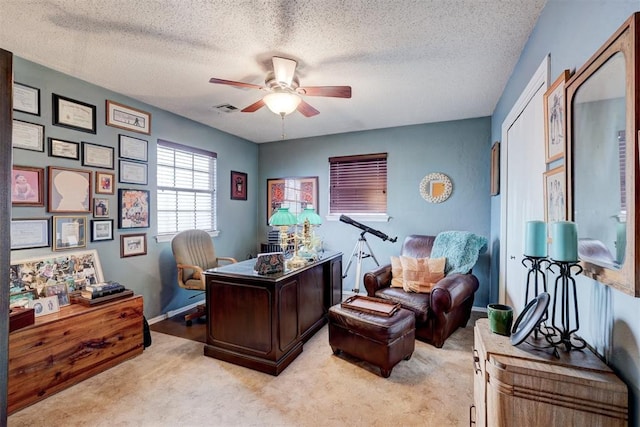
<point x="194" y="253"/>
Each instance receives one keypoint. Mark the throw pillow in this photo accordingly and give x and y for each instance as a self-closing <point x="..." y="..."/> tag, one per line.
<point x="420" y="274"/>
<point x="396" y="272"/>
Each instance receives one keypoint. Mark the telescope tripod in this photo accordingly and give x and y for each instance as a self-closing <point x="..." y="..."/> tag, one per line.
<point x="359" y="254"/>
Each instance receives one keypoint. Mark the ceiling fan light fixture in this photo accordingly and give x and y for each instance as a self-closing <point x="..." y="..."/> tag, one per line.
<point x="282" y="103"/>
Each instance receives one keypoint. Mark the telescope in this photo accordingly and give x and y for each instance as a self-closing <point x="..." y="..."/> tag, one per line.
<point x="367" y="229"/>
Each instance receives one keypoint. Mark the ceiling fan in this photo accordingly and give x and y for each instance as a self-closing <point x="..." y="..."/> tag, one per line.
<point x="285" y="92"/>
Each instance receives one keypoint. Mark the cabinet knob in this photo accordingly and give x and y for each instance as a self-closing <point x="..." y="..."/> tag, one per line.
<point x="472" y="415"/>
<point x="476" y="362"/>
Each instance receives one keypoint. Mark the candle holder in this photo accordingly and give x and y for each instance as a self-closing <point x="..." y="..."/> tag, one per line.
<point x="563" y="334"/>
<point x="535" y="272"/>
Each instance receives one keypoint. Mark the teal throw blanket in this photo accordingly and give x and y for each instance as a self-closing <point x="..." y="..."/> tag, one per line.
<point x="460" y="248"/>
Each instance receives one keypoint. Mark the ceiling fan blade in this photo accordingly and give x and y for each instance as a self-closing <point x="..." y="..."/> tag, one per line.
<point x="307" y="110"/>
<point x="333" y="91"/>
<point x="232" y="83"/>
<point x="284" y="69"/>
<point x="253" y="107"/>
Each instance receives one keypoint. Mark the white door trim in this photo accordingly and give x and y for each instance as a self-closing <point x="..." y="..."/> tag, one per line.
<point x="539" y="78"/>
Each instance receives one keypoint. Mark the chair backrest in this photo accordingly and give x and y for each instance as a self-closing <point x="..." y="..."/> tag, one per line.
<point x="193" y="247"/>
<point x="417" y="246"/>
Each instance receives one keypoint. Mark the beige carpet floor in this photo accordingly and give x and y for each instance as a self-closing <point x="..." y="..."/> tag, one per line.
<point x="173" y="384"/>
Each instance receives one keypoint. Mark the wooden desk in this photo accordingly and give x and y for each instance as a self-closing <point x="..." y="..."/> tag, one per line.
<point x="261" y="322"/>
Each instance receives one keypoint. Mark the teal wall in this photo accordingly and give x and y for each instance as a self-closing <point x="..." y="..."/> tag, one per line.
<point x="152" y="275"/>
<point x="460" y="149"/>
<point x="570" y="31"/>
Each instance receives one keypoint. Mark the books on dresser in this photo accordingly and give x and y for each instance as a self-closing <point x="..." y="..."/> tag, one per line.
<point x="102" y="289"/>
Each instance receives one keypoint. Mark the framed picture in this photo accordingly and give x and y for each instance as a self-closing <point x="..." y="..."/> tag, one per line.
<point x="133" y="172"/>
<point x="30" y="233"/>
<point x="296" y="193"/>
<point x="555" y="195"/>
<point x="69" y="232"/>
<point x="44" y="306"/>
<point x="555" y="118"/>
<point x="101" y="229"/>
<point x="129" y="118"/>
<point x="27" y="136"/>
<point x="64" y="149"/>
<point x="133" y="208"/>
<point x="99" y="156"/>
<point x="69" y="190"/>
<point x="104" y="182"/>
<point x="73" y="114"/>
<point x="21" y="299"/>
<point x="495" y="169"/>
<point x="60" y="291"/>
<point x="133" y="245"/>
<point x="26" y="99"/>
<point x="238" y="185"/>
<point x="101" y="207"/>
<point x="27" y="186"/>
<point x="133" y="148"/>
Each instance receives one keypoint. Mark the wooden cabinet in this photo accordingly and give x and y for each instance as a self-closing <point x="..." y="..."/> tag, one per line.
<point x="526" y="387"/>
<point x="64" y="348"/>
<point x="261" y="322"/>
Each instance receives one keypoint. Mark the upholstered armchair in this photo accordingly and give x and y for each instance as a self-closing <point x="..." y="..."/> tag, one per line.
<point x="194" y="253"/>
<point x="446" y="306"/>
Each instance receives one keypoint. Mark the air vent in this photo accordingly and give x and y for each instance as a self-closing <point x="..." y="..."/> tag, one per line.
<point x="226" y="108"/>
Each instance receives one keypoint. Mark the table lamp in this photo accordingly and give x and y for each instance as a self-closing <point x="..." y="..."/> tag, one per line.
<point x="309" y="219"/>
<point x="283" y="219"/>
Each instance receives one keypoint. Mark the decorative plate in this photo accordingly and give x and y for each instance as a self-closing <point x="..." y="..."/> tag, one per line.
<point x="435" y="187"/>
<point x="529" y="318"/>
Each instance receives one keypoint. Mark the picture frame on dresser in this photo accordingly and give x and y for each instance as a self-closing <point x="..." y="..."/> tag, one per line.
<point x="73" y="114"/>
<point x="26" y="99"/>
<point x="27" y="136"/>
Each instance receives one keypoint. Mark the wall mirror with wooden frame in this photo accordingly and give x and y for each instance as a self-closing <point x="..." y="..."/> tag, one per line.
<point x="602" y="162"/>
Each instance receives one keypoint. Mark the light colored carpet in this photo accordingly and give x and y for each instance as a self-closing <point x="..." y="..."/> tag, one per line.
<point x="173" y="384"/>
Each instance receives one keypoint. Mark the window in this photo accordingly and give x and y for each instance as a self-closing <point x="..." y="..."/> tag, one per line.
<point x="186" y="188"/>
<point x="358" y="184"/>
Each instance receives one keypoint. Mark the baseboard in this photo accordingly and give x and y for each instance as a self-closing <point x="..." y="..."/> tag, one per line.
<point x="172" y="313"/>
<point x="480" y="309"/>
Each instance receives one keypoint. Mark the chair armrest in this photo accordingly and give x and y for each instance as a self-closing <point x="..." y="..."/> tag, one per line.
<point x="227" y="259"/>
<point x="377" y="279"/>
<point x="198" y="272"/>
<point x="452" y="291"/>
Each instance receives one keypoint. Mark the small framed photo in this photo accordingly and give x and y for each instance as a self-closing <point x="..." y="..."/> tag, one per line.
<point x="69" y="232"/>
<point x="69" y="190"/>
<point x="555" y="121"/>
<point x="238" y="185"/>
<point x="101" y="207"/>
<point x="555" y="195"/>
<point x="64" y="149"/>
<point x="133" y="148"/>
<point x="101" y="229"/>
<point x="73" y="114"/>
<point x="26" y="99"/>
<point x="133" y="208"/>
<point x="21" y="299"/>
<point x="133" y="245"/>
<point x="27" y="136"/>
<point x="27" y="186"/>
<point x="133" y="172"/>
<point x="60" y="291"/>
<point x="30" y="233"/>
<point x="104" y="182"/>
<point x="495" y="169"/>
<point x="44" y="306"/>
<point x="129" y="118"/>
<point x="99" y="156"/>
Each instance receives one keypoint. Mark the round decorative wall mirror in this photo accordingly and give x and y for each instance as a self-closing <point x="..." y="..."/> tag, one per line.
<point x="435" y="187"/>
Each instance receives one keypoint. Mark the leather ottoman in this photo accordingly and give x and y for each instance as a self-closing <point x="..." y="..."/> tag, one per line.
<point x="377" y="339"/>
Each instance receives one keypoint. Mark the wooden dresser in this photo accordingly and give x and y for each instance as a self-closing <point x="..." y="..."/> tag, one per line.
<point x="525" y="387"/>
<point x="64" y="348"/>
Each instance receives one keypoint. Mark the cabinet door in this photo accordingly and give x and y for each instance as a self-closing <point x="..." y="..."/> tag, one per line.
<point x="479" y="381"/>
<point x="334" y="282"/>
<point x="311" y="305"/>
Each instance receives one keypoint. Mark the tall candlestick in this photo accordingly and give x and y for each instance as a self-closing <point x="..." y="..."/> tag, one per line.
<point x="535" y="239"/>
<point x="564" y="241"/>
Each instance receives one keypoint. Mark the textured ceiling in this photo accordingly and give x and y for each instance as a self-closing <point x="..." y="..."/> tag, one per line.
<point x="408" y="62"/>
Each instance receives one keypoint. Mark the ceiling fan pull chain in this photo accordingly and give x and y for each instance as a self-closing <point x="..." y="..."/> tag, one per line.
<point x="282" y="115"/>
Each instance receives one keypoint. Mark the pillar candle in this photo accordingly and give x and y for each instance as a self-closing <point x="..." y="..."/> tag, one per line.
<point x="564" y="241"/>
<point x="535" y="240"/>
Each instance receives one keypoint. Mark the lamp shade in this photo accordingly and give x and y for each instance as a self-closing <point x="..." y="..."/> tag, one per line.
<point x="310" y="215"/>
<point x="282" y="103"/>
<point x="282" y="217"/>
<point x="564" y="241"/>
<point x="535" y="239"/>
